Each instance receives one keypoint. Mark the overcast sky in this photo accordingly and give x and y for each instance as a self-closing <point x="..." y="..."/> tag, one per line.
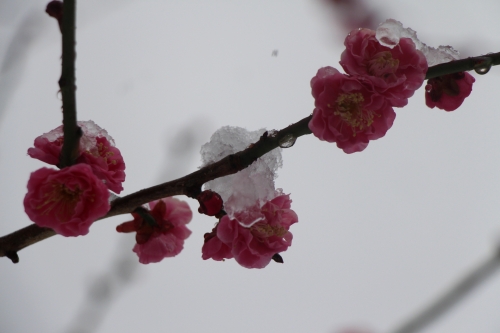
<point x="380" y="233"/>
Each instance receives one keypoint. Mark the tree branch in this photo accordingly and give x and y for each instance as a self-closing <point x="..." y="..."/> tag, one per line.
<point x="453" y="296"/>
<point x="468" y="64"/>
<point x="190" y="185"/>
<point x="72" y="132"/>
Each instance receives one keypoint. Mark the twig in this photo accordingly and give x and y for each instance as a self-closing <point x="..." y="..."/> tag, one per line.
<point x="72" y="132"/>
<point x="462" y="65"/>
<point x="453" y="296"/>
<point x="190" y="185"/>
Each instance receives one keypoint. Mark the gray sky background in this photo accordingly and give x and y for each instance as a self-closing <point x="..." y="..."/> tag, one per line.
<point x="380" y="233"/>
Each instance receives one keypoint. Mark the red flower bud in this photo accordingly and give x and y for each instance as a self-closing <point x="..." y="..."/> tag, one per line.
<point x="210" y="203"/>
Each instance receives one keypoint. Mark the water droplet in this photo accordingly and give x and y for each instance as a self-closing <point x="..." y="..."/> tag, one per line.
<point x="483" y="66"/>
<point x="287" y="141"/>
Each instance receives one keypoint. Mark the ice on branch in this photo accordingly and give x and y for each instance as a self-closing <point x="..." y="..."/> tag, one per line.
<point x="91" y="131"/>
<point x="391" y="31"/>
<point x="246" y="191"/>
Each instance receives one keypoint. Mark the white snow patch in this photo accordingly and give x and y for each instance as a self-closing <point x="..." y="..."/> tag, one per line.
<point x="391" y="31"/>
<point x="247" y="190"/>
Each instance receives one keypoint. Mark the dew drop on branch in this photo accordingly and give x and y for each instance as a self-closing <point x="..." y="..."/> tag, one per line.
<point x="483" y="66"/>
<point x="287" y="141"/>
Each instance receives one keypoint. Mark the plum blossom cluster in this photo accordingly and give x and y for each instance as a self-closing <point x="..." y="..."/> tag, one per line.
<point x="254" y="217"/>
<point x="445" y="92"/>
<point x="383" y="69"/>
<point x="256" y="227"/>
<point x="354" y="108"/>
<point x="254" y="246"/>
<point x="71" y="199"/>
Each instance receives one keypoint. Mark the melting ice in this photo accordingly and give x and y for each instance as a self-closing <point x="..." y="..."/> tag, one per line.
<point x="90" y="130"/>
<point x="246" y="191"/>
<point x="389" y="32"/>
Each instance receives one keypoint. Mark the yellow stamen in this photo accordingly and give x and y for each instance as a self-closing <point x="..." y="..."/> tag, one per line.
<point x="350" y="110"/>
<point x="61" y="198"/>
<point x="382" y="65"/>
<point x="266" y="230"/>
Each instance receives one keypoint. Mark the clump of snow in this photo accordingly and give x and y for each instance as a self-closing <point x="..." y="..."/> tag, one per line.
<point x="90" y="130"/>
<point x="246" y="191"/>
<point x="391" y="31"/>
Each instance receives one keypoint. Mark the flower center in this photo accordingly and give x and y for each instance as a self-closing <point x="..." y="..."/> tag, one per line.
<point x="382" y="65"/>
<point x="350" y="110"/>
<point x="61" y="198"/>
<point x="264" y="230"/>
<point x="101" y="150"/>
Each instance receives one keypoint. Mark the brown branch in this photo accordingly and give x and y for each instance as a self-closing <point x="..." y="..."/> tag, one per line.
<point x="72" y="132"/>
<point x="469" y="64"/>
<point x="190" y="185"/>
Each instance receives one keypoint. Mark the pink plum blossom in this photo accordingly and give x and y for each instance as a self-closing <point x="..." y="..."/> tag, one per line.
<point x="448" y="92"/>
<point x="395" y="73"/>
<point x="214" y="248"/>
<point x="106" y="162"/>
<point x="96" y="149"/>
<point x="67" y="200"/>
<point x="164" y="237"/>
<point x="348" y="111"/>
<point x="253" y="247"/>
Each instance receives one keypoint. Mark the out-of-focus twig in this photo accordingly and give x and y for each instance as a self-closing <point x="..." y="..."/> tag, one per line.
<point x="353" y="14"/>
<point x="118" y="274"/>
<point x="453" y="296"/>
<point x="14" y="59"/>
<point x="104" y="289"/>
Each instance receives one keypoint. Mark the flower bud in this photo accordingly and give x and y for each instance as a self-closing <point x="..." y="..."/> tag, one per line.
<point x="210" y="203"/>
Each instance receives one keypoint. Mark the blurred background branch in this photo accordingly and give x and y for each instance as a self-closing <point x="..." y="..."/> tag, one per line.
<point x="451" y="298"/>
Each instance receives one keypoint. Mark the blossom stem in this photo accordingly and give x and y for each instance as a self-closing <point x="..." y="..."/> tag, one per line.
<point x="453" y="296"/>
<point x="462" y="65"/>
<point x="190" y="185"/>
<point x="72" y="132"/>
<point x="146" y="216"/>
